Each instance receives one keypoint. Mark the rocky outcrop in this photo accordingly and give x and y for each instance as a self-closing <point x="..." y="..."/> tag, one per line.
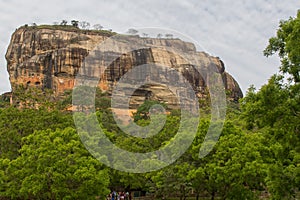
<point x="47" y="57"/>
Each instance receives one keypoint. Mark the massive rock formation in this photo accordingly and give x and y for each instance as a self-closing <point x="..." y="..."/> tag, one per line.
<point x="50" y="57"/>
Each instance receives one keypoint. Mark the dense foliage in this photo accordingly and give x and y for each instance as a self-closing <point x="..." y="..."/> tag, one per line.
<point x="287" y="45"/>
<point x="257" y="155"/>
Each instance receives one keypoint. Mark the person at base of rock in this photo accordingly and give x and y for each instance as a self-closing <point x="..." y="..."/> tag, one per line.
<point x="113" y="195"/>
<point x="130" y="196"/>
<point x="127" y="195"/>
<point x="118" y="195"/>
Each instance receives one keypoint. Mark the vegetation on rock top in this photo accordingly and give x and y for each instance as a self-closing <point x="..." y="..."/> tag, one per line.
<point x="257" y="155"/>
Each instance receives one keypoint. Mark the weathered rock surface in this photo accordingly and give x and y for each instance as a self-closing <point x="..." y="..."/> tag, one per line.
<point x="51" y="58"/>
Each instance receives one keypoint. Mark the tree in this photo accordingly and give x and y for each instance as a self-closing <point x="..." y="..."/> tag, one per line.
<point x="265" y="107"/>
<point x="235" y="169"/>
<point x="287" y="45"/>
<point x="84" y="25"/>
<point x="18" y="123"/>
<point x="127" y="180"/>
<point x="239" y="166"/>
<point x="132" y="31"/>
<point x="98" y="27"/>
<point x="145" y="35"/>
<point x="64" y="22"/>
<point x="196" y="177"/>
<point x="159" y="35"/>
<point x="75" y="23"/>
<point x="54" y="165"/>
<point x="5" y="100"/>
<point x="82" y="100"/>
<point x="34" y="97"/>
<point x="143" y="111"/>
<point x="172" y="180"/>
<point x="274" y="112"/>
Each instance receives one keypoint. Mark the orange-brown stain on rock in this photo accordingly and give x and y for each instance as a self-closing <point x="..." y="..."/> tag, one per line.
<point x="58" y="55"/>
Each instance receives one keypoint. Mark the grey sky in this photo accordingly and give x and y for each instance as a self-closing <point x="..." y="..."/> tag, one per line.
<point x="236" y="31"/>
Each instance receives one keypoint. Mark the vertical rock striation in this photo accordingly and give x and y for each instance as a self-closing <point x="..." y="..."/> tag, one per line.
<point x="49" y="57"/>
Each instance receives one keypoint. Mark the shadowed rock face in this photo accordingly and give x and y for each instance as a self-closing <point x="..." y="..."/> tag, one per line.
<point x="51" y="58"/>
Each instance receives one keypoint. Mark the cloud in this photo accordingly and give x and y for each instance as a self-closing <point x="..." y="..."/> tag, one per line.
<point x="236" y="31"/>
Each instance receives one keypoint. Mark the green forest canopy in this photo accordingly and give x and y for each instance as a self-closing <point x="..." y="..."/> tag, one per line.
<point x="257" y="155"/>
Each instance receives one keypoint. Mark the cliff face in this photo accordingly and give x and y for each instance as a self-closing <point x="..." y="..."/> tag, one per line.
<point x="47" y="58"/>
<point x="51" y="58"/>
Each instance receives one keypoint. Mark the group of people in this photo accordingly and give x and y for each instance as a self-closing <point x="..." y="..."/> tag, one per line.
<point x="119" y="196"/>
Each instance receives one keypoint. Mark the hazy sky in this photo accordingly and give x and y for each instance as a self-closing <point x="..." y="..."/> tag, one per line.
<point x="236" y="31"/>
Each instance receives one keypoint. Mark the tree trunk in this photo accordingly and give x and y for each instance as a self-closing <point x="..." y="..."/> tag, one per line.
<point x="213" y="195"/>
